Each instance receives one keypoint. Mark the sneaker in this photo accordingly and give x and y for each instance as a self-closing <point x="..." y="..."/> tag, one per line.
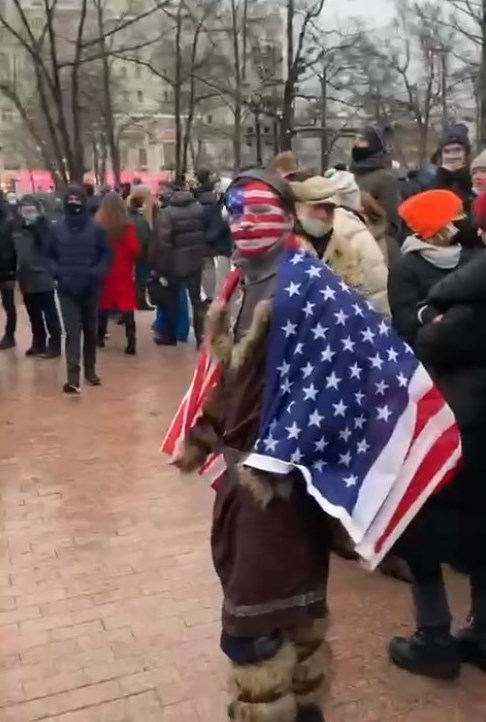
<point x="472" y="646"/>
<point x="52" y="353"/>
<point x="7" y="342"/>
<point x="429" y="652"/>
<point x="71" y="389"/>
<point x="93" y="379"/>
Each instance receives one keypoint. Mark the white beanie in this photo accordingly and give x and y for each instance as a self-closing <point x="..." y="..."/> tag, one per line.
<point x="346" y="190"/>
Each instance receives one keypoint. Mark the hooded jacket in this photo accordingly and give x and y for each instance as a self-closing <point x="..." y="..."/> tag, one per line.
<point x="374" y="175"/>
<point x="8" y="261"/>
<point x="80" y="251"/>
<point x="32" y="243"/>
<point x="179" y="246"/>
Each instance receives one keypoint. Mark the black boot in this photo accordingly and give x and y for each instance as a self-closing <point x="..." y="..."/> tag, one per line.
<point x="472" y="645"/>
<point x="53" y="351"/>
<point x="131" y="349"/>
<point x="165" y="340"/>
<point x="71" y="389"/>
<point x="36" y="351"/>
<point x="7" y="342"/>
<point x="310" y="714"/>
<point x="430" y="652"/>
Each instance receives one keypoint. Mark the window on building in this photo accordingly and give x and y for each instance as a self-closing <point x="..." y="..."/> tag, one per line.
<point x="140" y="96"/>
<point x="166" y="96"/>
<point x="123" y="72"/>
<point x="142" y="157"/>
<point x="209" y="119"/>
<point x="266" y="129"/>
<point x="138" y="71"/>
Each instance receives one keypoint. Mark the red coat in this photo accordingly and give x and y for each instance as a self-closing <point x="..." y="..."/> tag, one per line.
<point x="118" y="291"/>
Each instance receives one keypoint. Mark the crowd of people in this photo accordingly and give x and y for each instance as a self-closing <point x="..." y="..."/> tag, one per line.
<point x="414" y="248"/>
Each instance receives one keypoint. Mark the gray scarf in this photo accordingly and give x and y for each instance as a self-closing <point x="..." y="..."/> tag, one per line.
<point x="444" y="257"/>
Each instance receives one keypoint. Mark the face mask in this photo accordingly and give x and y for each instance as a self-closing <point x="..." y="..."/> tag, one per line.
<point x="73" y="208"/>
<point x="358" y="153"/>
<point x="314" y="226"/>
<point x="30" y="215"/>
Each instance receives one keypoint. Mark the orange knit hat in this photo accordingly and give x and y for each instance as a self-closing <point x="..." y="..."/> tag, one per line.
<point x="430" y="212"/>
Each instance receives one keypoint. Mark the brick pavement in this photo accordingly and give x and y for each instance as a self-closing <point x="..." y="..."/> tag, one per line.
<point x="108" y="603"/>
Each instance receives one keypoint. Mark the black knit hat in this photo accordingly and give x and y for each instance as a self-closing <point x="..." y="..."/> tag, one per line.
<point x="457" y="134"/>
<point x="375" y="137"/>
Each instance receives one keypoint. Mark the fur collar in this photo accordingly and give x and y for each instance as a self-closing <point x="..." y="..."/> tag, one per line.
<point x="218" y="336"/>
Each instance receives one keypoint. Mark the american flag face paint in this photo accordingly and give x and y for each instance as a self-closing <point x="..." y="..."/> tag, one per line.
<point x="256" y="217"/>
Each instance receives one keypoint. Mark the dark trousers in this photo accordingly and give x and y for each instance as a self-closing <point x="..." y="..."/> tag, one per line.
<point x="80" y="317"/>
<point x="193" y="285"/>
<point x="128" y="319"/>
<point x="7" y="291"/>
<point x="44" y="319"/>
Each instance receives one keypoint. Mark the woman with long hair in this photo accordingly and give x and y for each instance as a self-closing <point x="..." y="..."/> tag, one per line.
<point x="118" y="293"/>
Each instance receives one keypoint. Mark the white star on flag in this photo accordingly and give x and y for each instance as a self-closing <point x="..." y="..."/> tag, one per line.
<point x="345" y="434"/>
<point x="286" y="386"/>
<point x="340" y="409"/>
<point x="402" y="380"/>
<point x="359" y="421"/>
<point x="377" y="362"/>
<point x="284" y="368"/>
<point x="299" y="349"/>
<point x="381" y="387"/>
<point x="351" y="481"/>
<point x="363" y="447"/>
<point x="348" y="345"/>
<point x="314" y="272"/>
<point x="310" y="393"/>
<point x="319" y="331"/>
<point x="341" y="318"/>
<point x="355" y="371"/>
<point x="315" y="419"/>
<point x="345" y="459"/>
<point x="332" y="381"/>
<point x="384" y="329"/>
<point x="358" y="311"/>
<point x="293" y="289"/>
<point x="309" y="308"/>
<point x="392" y="355"/>
<point x="321" y="444"/>
<point x="328" y="293"/>
<point x="327" y="354"/>
<point x="368" y="335"/>
<point x="296" y="457"/>
<point x="290" y="329"/>
<point x="384" y="413"/>
<point x="307" y="370"/>
<point x="270" y="443"/>
<point x="298" y="258"/>
<point x="293" y="431"/>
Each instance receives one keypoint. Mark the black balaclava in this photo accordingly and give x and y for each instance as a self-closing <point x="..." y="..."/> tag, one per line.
<point x="376" y="144"/>
<point x="75" y="211"/>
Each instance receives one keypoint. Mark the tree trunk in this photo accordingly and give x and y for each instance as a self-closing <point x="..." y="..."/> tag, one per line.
<point x="178" y="93"/>
<point x="287" y="120"/>
<point x="239" y="68"/>
<point x="324" y="129"/>
<point x="108" y="99"/>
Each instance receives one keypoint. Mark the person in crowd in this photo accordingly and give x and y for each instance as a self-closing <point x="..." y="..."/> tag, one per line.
<point x="118" y="290"/>
<point x="205" y="194"/>
<point x="8" y="266"/>
<point x="347" y="247"/>
<point x="447" y="332"/>
<point x="93" y="199"/>
<point x="141" y="211"/>
<point x="284" y="164"/>
<point x="453" y="167"/>
<point x="274" y="609"/>
<point x="376" y="220"/>
<point x="125" y="190"/>
<point x="478" y="173"/>
<point x="177" y="254"/>
<point x="35" y="279"/>
<point x="371" y="165"/>
<point x="219" y="238"/>
<point x="81" y="256"/>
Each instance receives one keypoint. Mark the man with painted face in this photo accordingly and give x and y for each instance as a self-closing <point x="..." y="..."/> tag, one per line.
<point x="81" y="256"/>
<point x="270" y="540"/>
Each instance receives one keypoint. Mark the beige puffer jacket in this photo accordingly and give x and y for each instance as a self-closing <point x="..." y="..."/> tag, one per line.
<point x="355" y="256"/>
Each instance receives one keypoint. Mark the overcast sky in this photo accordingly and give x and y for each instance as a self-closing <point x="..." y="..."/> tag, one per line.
<point x="371" y="10"/>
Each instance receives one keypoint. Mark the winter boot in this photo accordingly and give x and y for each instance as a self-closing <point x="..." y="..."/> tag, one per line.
<point x="7" y="342"/>
<point x="310" y="714"/>
<point x="131" y="349"/>
<point x="431" y="652"/>
<point x="36" y="351"/>
<point x="472" y="645"/>
<point x="313" y="672"/>
<point x="53" y="351"/>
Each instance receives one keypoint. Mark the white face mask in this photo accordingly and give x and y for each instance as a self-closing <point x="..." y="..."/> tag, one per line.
<point x="315" y="227"/>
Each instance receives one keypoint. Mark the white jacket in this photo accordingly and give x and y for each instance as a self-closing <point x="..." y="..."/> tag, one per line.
<point x="355" y="256"/>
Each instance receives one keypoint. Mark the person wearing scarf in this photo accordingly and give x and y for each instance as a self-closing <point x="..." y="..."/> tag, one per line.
<point x="270" y="540"/>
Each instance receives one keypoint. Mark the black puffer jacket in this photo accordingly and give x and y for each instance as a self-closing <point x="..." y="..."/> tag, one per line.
<point x="179" y="246"/>
<point x="453" y="350"/>
<point x="8" y="260"/>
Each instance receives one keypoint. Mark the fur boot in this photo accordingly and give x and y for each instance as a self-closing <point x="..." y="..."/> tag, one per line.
<point x="264" y="689"/>
<point x="314" y="669"/>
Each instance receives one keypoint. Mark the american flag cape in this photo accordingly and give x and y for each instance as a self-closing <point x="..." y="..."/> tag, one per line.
<point x="348" y="405"/>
